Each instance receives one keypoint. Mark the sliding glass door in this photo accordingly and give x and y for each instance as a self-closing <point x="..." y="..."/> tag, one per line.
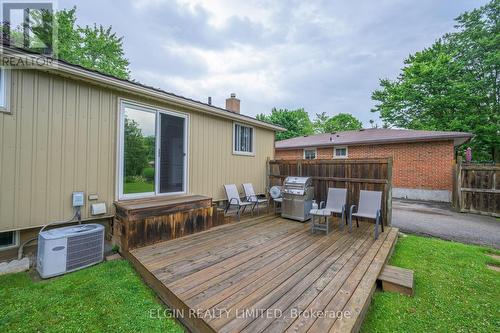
<point x="153" y="150"/>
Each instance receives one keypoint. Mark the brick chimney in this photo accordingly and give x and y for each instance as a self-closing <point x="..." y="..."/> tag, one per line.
<point x="233" y="104"/>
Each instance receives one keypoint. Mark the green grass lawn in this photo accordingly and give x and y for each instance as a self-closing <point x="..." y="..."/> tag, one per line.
<point x="138" y="187"/>
<point x="454" y="290"/>
<point x="109" y="297"/>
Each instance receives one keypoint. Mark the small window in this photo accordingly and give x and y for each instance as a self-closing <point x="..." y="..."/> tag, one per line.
<point x="340" y="152"/>
<point x="3" y="90"/>
<point x="8" y="239"/>
<point x="309" y="154"/>
<point x="243" y="140"/>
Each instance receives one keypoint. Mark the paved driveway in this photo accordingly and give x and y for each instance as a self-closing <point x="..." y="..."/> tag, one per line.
<point x="438" y="220"/>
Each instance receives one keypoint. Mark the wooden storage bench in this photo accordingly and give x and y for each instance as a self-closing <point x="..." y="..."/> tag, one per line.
<point x="143" y="222"/>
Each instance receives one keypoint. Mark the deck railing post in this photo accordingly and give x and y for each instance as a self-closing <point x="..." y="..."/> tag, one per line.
<point x="459" y="184"/>
<point x="388" y="205"/>
<point x="268" y="175"/>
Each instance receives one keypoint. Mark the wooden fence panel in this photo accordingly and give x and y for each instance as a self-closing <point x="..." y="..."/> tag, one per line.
<point x="478" y="188"/>
<point x="353" y="174"/>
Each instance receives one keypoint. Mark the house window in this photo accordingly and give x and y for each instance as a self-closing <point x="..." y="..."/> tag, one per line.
<point x="153" y="146"/>
<point x="9" y="239"/>
<point x="309" y="154"/>
<point x="340" y="152"/>
<point x="243" y="140"/>
<point x="4" y="84"/>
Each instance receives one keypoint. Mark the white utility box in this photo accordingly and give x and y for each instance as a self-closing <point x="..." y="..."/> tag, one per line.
<point x="98" y="208"/>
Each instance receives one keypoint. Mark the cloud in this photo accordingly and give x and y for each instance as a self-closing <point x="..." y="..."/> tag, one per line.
<point x="326" y="56"/>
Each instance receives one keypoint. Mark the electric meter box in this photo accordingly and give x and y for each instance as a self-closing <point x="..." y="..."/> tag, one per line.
<point x="78" y="199"/>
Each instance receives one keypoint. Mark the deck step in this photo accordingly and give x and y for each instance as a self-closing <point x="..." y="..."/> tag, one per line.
<point x="397" y="279"/>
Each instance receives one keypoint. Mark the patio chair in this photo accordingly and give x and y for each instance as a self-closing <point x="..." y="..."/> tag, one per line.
<point x="335" y="204"/>
<point x="252" y="197"/>
<point x="233" y="199"/>
<point x="370" y="203"/>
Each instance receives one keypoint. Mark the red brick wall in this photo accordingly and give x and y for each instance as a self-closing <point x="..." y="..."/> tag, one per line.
<point x="289" y="154"/>
<point x="423" y="165"/>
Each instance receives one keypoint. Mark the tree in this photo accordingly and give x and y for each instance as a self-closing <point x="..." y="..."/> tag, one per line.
<point x="100" y="49"/>
<point x="135" y="149"/>
<point x="453" y="85"/>
<point x="296" y="122"/>
<point x="342" y="122"/>
<point x="96" y="48"/>
<point x="150" y="143"/>
<point x="320" y="122"/>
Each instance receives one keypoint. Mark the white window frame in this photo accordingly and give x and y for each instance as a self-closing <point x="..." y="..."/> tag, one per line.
<point x="121" y="150"/>
<point x="315" y="153"/>
<point x="5" y="90"/>
<point x="340" y="147"/>
<point x="243" y="153"/>
<point x="16" y="241"/>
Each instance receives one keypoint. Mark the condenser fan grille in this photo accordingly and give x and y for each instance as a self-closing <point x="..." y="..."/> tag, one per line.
<point x="84" y="250"/>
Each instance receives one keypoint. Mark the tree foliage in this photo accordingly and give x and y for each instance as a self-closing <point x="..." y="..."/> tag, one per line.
<point x="135" y="149"/>
<point x="296" y="122"/>
<point x="342" y="122"/>
<point x="452" y="85"/>
<point x="320" y="122"/>
<point x="93" y="47"/>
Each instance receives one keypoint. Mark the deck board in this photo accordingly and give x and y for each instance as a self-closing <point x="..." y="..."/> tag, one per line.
<point x="192" y="266"/>
<point x="267" y="263"/>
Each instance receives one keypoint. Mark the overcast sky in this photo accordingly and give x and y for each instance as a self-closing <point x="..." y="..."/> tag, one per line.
<point x="325" y="56"/>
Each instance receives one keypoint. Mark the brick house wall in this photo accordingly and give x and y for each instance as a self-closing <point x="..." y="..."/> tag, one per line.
<point x="417" y="165"/>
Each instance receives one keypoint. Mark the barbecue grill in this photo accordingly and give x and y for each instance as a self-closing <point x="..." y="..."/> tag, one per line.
<point x="297" y="198"/>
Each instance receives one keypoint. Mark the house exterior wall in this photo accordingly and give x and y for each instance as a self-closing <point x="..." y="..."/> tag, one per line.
<point x="61" y="136"/>
<point x="426" y="165"/>
<point x="419" y="165"/>
<point x="289" y="154"/>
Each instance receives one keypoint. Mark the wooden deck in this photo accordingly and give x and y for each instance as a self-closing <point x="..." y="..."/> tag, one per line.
<point x="267" y="274"/>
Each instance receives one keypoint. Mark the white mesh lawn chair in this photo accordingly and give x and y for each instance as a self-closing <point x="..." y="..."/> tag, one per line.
<point x="252" y="197"/>
<point x="335" y="204"/>
<point x="370" y="203"/>
<point x="233" y="199"/>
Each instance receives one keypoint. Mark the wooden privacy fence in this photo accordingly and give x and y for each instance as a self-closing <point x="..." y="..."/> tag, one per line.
<point x="477" y="188"/>
<point x="353" y="174"/>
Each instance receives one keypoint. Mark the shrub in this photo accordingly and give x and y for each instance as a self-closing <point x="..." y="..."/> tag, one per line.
<point x="149" y="174"/>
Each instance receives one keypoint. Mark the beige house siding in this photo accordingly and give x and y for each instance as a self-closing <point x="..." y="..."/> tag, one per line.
<point x="61" y="137"/>
<point x="212" y="162"/>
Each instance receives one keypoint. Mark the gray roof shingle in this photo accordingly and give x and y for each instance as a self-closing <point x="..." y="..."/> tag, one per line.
<point x="371" y="136"/>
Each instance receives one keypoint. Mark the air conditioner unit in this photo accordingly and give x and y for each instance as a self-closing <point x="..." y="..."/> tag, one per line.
<point x="68" y="249"/>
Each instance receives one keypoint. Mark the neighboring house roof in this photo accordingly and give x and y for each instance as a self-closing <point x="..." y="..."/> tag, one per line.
<point x="371" y="136"/>
<point x="135" y="87"/>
